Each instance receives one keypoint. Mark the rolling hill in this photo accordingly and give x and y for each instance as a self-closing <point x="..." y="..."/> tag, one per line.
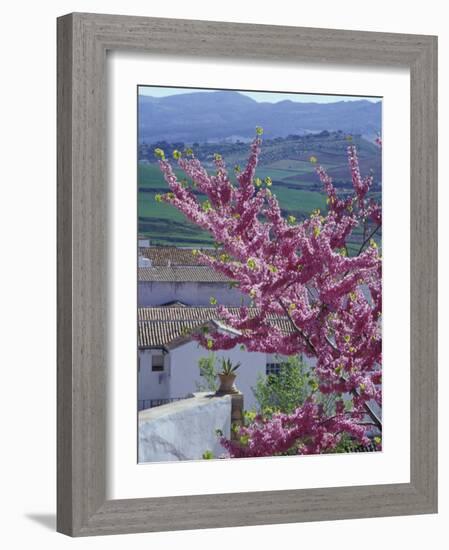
<point x="220" y="115"/>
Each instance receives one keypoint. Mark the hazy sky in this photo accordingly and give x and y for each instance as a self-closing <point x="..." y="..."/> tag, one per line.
<point x="272" y="97"/>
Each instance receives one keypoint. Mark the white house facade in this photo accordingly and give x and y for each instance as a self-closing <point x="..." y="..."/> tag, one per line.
<point x="174" y="296"/>
<point x="191" y="285"/>
<point x="169" y="358"/>
<point x="170" y="274"/>
<point x="180" y="376"/>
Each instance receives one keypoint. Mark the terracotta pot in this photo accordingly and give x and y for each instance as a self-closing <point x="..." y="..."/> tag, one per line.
<point x="227" y="384"/>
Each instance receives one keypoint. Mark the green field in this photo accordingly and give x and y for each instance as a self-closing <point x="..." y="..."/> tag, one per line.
<point x="166" y="225"/>
<point x="295" y="184"/>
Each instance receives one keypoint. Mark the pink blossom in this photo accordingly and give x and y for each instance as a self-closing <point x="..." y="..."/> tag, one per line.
<point x="331" y="301"/>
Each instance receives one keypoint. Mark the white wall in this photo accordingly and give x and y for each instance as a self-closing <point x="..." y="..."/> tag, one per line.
<point x="197" y="294"/>
<point x="185" y="371"/>
<point x="144" y="243"/>
<point x="152" y="385"/>
<point x="184" y="430"/>
<point x="28" y="137"/>
<point x="181" y="374"/>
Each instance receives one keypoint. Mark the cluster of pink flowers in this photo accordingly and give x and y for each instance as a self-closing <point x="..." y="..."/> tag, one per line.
<point x="302" y="271"/>
<point x="305" y="431"/>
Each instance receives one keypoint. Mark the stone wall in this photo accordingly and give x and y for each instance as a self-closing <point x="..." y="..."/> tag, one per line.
<point x="185" y="429"/>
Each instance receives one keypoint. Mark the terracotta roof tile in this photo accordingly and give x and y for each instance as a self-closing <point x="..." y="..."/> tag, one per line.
<point x="174" y="256"/>
<point x="178" y="274"/>
<point x="159" y="326"/>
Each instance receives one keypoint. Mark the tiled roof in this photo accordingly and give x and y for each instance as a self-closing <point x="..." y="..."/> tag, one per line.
<point x="159" y="333"/>
<point x="159" y="326"/>
<point x="194" y="274"/>
<point x="172" y="255"/>
<point x="192" y="313"/>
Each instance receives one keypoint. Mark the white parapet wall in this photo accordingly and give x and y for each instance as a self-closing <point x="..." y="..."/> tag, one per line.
<point x="185" y="429"/>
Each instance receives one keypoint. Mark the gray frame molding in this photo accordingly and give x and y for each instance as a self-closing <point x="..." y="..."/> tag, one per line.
<point x="83" y="40"/>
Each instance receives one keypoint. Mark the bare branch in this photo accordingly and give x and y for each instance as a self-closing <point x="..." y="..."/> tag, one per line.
<point x="370" y="236"/>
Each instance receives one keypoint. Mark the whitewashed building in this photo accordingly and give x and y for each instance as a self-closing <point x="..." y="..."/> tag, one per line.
<point x="192" y="286"/>
<point x="174" y="292"/>
<point x="171" y="274"/>
<point x="168" y="357"/>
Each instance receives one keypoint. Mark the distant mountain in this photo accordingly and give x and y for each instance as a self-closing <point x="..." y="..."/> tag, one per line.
<point x="215" y="116"/>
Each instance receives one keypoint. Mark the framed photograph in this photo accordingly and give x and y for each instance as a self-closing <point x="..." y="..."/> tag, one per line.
<point x="247" y="278"/>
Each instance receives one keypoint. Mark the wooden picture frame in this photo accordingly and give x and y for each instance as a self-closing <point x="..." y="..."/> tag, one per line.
<point x="83" y="40"/>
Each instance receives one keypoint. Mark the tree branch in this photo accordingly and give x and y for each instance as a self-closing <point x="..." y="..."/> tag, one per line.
<point x="370" y="236"/>
<point x="297" y="329"/>
<point x="369" y="411"/>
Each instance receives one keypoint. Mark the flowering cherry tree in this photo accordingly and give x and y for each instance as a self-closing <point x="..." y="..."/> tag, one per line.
<point x="302" y="271"/>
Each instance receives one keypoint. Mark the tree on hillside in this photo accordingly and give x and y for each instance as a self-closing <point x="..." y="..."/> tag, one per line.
<point x="301" y="271"/>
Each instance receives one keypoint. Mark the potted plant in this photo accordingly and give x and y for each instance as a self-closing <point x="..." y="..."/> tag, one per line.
<point x="227" y="377"/>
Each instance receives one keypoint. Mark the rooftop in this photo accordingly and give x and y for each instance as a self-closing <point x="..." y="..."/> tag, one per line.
<point x="174" y="256"/>
<point x="179" y="274"/>
<point x="161" y="326"/>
